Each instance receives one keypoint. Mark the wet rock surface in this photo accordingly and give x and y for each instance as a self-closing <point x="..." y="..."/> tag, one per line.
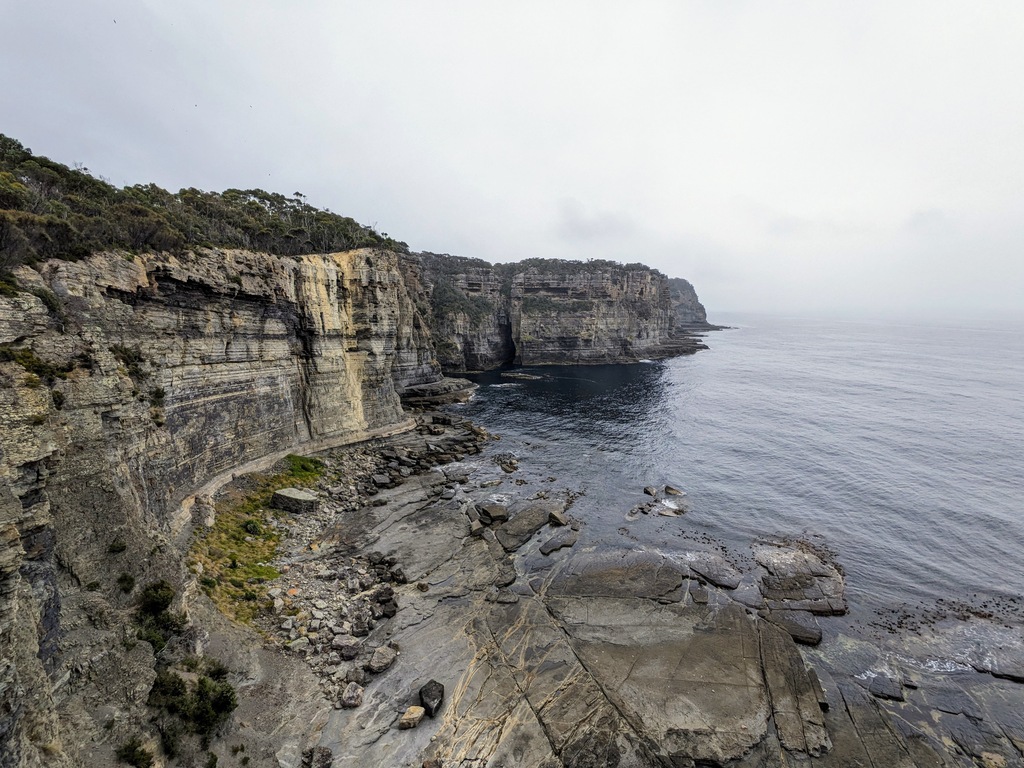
<point x="575" y="656"/>
<point x="581" y="658"/>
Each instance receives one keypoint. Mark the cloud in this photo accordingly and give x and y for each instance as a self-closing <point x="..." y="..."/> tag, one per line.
<point x="574" y="223"/>
<point x="806" y="155"/>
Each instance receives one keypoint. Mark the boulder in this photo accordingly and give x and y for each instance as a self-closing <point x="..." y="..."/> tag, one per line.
<point x="650" y="490"/>
<point x="412" y="717"/>
<point x="295" y="500"/>
<point x="799" y="579"/>
<point x="527" y="519"/>
<point x="382" y="658"/>
<point x="431" y="697"/>
<point x="715" y="569"/>
<point x="801" y="625"/>
<point x="491" y="512"/>
<point x="558" y="517"/>
<point x="670" y="491"/>
<point x="352" y="696"/>
<point x="347" y="646"/>
<point x="564" y="538"/>
<point x="884" y="687"/>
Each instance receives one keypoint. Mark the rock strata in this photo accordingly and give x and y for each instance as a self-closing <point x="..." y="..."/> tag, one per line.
<point x="549" y="311"/>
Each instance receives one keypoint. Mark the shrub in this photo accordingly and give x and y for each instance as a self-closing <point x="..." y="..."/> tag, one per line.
<point x="31" y="362"/>
<point x="169" y="692"/>
<point x="50" y="300"/>
<point x="156" y="598"/>
<point x="131" y="359"/>
<point x="202" y="706"/>
<point x="133" y="753"/>
<point x="8" y="285"/>
<point x="211" y="704"/>
<point x="126" y="582"/>
<point x="252" y="526"/>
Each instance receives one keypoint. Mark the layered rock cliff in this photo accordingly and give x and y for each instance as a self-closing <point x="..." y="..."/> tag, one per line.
<point x="551" y="312"/>
<point x="130" y="384"/>
<point x="688" y="310"/>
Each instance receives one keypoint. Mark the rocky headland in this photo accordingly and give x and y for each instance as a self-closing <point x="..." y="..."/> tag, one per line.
<point x="134" y="385"/>
<point x="235" y="530"/>
<point x="554" y="312"/>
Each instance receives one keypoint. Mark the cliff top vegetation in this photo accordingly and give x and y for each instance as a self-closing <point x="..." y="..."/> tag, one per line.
<point x="50" y="210"/>
<point x="446" y="264"/>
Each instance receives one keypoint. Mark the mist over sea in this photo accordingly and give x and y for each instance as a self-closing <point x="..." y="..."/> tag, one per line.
<point x="900" y="446"/>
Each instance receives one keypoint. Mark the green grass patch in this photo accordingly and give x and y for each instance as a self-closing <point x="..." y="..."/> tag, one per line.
<point x="303" y="469"/>
<point x="234" y="552"/>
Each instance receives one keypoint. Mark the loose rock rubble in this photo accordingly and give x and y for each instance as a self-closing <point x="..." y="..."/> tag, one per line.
<point x="329" y="599"/>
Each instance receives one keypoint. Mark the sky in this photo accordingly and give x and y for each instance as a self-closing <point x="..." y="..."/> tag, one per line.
<point x="827" y="158"/>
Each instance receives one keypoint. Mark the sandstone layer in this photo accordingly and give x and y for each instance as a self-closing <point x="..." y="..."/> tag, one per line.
<point x="552" y="312"/>
<point x="142" y="384"/>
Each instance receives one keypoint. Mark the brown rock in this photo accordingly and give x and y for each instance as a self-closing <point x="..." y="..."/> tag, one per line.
<point x="382" y="659"/>
<point x="352" y="696"/>
<point x="412" y="717"/>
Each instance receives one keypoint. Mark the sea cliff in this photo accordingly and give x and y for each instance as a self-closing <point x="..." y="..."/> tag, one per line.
<point x="555" y="312"/>
<point x="132" y="388"/>
<point x="135" y="384"/>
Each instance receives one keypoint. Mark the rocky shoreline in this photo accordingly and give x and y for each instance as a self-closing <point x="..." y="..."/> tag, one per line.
<point x="433" y="569"/>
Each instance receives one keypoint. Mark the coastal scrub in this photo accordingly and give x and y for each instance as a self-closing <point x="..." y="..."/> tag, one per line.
<point x="232" y="557"/>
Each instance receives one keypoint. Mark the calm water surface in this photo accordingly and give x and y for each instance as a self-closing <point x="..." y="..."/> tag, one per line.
<point x="901" y="445"/>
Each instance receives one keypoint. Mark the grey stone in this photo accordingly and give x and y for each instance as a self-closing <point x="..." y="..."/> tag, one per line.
<point x="885" y="687"/>
<point x="650" y="490"/>
<point x="715" y="569"/>
<point x="564" y="538"/>
<point x="382" y="658"/>
<point x="558" y="517"/>
<point x="296" y="501"/>
<point x="491" y="512"/>
<point x="526" y="520"/>
<point x="801" y="625"/>
<point x="346" y="646"/>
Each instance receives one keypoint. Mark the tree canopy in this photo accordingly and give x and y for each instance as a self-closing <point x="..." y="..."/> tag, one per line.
<point x="48" y="210"/>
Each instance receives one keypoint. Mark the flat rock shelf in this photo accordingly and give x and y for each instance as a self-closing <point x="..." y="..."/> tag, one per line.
<point x="448" y="578"/>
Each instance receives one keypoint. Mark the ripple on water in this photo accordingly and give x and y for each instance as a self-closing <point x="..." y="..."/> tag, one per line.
<point x="902" y="446"/>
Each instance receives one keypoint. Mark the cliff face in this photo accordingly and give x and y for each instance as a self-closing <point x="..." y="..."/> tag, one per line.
<point x="549" y="312"/>
<point x="685" y="304"/>
<point x="150" y="378"/>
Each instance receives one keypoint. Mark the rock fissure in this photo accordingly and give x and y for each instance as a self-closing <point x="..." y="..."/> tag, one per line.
<point x="523" y="693"/>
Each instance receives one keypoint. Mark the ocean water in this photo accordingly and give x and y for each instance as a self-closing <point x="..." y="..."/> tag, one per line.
<point x="901" y="447"/>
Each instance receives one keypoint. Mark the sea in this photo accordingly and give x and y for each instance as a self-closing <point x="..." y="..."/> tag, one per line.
<point x="897" y="446"/>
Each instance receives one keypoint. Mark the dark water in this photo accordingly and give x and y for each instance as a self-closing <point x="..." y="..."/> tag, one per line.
<point x="902" y="446"/>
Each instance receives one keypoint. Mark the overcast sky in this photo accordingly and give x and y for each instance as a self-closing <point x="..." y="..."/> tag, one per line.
<point x="803" y="157"/>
